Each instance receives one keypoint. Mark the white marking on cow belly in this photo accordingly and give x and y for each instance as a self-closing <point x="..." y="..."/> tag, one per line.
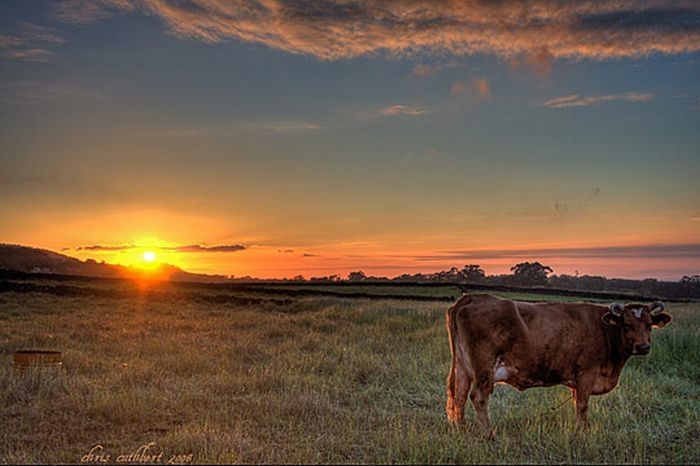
<point x="501" y="371"/>
<point x="500" y="375"/>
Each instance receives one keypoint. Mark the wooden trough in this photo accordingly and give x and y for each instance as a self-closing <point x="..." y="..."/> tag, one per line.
<point x="27" y="359"/>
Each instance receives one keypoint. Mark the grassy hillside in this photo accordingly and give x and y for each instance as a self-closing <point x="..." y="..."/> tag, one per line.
<point x="314" y="380"/>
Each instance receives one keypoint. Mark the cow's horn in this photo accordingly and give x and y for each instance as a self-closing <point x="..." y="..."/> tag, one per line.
<point x="616" y="308"/>
<point x="658" y="306"/>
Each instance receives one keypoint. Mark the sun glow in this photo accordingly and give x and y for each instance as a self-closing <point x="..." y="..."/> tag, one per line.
<point x="149" y="256"/>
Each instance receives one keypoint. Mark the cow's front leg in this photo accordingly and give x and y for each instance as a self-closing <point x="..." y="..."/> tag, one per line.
<point x="582" y="394"/>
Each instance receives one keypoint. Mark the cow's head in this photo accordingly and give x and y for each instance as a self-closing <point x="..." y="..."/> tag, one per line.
<point x="635" y="322"/>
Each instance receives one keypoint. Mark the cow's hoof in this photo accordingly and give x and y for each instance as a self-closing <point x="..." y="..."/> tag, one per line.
<point x="580" y="431"/>
<point x="456" y="423"/>
<point x="454" y="416"/>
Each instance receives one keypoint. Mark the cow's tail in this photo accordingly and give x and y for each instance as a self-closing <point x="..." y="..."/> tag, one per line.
<point x="455" y="403"/>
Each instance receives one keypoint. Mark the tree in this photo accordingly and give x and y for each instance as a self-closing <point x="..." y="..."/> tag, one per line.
<point x="691" y="280"/>
<point x="357" y="276"/>
<point x="691" y="284"/>
<point x="473" y="273"/>
<point x="530" y="274"/>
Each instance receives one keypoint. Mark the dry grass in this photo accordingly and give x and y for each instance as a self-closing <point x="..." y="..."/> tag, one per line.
<point x="319" y="380"/>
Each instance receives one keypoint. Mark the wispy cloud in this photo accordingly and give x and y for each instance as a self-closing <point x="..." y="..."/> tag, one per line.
<point x="395" y="110"/>
<point x="479" y="87"/>
<point x="183" y="248"/>
<point x="35" y="92"/>
<point x="104" y="247"/>
<point x="577" y="203"/>
<point x="202" y="248"/>
<point x="643" y="251"/>
<point x="29" y="54"/>
<point x="335" y="29"/>
<point x="238" y="127"/>
<point x="38" y="33"/>
<point x="540" y="62"/>
<point x="29" y="43"/>
<point x="423" y="70"/>
<point x="576" y="100"/>
<point x="287" y="126"/>
<point x="90" y="11"/>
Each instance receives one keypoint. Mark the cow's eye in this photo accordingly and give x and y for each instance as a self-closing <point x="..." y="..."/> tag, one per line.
<point x="626" y="327"/>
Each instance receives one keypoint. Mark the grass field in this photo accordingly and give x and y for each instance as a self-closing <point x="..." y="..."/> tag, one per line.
<point x="316" y="380"/>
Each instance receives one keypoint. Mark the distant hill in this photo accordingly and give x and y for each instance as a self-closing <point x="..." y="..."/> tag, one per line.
<point x="33" y="260"/>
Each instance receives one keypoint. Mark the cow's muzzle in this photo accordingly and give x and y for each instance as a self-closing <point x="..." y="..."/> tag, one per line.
<point x="641" y="350"/>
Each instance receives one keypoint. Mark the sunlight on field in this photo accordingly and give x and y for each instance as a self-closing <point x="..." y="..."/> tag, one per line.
<point x="314" y="380"/>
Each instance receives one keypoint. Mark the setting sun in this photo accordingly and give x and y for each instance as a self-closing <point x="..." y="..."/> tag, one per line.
<point x="149" y="256"/>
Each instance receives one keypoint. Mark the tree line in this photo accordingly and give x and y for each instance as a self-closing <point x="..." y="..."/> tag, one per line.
<point x="535" y="274"/>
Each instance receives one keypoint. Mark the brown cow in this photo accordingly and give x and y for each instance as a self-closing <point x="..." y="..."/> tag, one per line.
<point x="580" y="345"/>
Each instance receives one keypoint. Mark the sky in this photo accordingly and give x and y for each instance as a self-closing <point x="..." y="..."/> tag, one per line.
<point x="280" y="137"/>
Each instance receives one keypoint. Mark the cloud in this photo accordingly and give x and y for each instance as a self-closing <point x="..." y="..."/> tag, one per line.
<point x="539" y="62"/>
<point x="35" y="92"/>
<point x="395" y="110"/>
<point x="28" y="54"/>
<point x="583" y="200"/>
<point x="459" y="87"/>
<point x="102" y="247"/>
<point x="89" y="11"/>
<point x="39" y="33"/>
<point x="201" y="248"/>
<point x="538" y="31"/>
<point x="576" y="100"/>
<point x="422" y="70"/>
<point x="185" y="248"/>
<point x="562" y="207"/>
<point x="236" y="128"/>
<point x="479" y="87"/>
<point x="306" y="254"/>
<point x="288" y="126"/>
<point x="643" y="251"/>
<point x="29" y="43"/>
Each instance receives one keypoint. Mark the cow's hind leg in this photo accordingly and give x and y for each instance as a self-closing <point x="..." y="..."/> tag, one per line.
<point x="458" y="385"/>
<point x="459" y="379"/>
<point x="480" y="399"/>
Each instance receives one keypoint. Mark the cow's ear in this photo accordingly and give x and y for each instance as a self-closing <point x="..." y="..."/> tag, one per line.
<point x="660" y="320"/>
<point x="611" y="319"/>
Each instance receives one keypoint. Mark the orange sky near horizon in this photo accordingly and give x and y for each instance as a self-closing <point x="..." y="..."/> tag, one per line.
<point x="265" y="262"/>
<point x="386" y="239"/>
<point x="417" y="247"/>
